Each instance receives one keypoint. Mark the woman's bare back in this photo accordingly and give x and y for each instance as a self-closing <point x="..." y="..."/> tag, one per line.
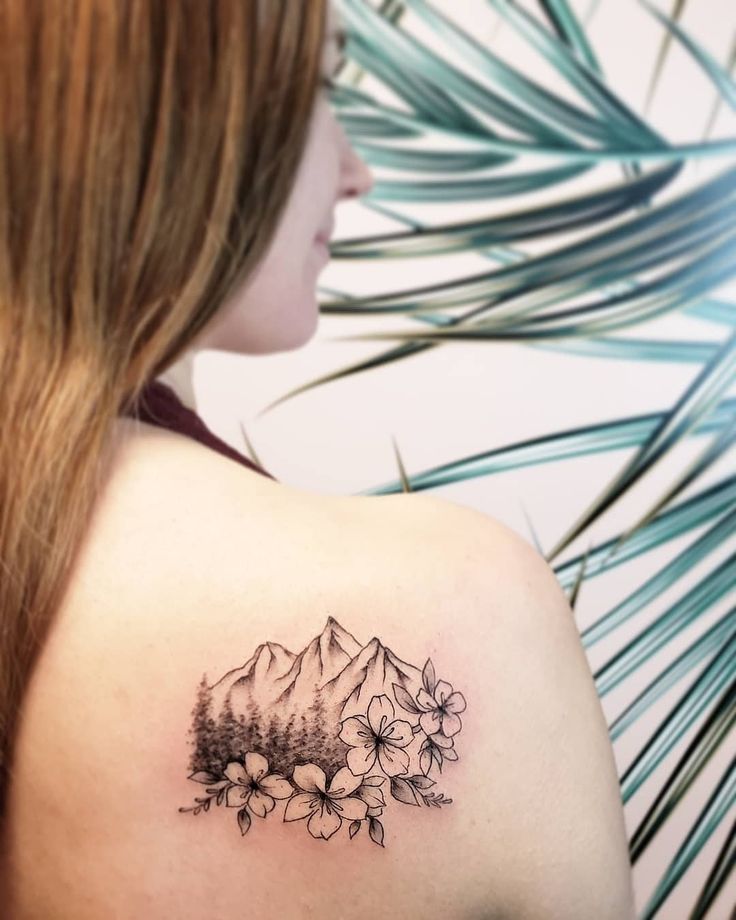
<point x="193" y="567"/>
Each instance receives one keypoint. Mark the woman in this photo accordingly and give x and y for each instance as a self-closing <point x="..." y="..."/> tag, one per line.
<point x="223" y="696"/>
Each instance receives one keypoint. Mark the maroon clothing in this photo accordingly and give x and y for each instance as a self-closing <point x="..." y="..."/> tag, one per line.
<point x="159" y="405"/>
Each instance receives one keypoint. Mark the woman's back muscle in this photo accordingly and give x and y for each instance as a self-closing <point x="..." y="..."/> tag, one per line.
<point x="231" y="641"/>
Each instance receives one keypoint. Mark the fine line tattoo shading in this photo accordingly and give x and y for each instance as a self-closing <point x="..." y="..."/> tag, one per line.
<point x="358" y="714"/>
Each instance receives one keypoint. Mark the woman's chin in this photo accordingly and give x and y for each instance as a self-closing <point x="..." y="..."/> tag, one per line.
<point x="270" y="335"/>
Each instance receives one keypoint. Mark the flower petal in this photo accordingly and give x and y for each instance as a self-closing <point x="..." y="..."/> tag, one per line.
<point x="392" y="760"/>
<point x="237" y="796"/>
<point x="260" y="803"/>
<point x="236" y="773"/>
<point x="361" y="759"/>
<point x="455" y="702"/>
<point x="380" y="713"/>
<point x="430" y="721"/>
<point x="324" y="822"/>
<point x="343" y="783"/>
<point x="425" y="700"/>
<point x="310" y="777"/>
<point x="276" y="785"/>
<point x="442" y="691"/>
<point x="398" y="733"/>
<point x="371" y="795"/>
<point x="351" y="808"/>
<point x="355" y="731"/>
<point x="451" y="724"/>
<point x="301" y="805"/>
<point x="256" y="765"/>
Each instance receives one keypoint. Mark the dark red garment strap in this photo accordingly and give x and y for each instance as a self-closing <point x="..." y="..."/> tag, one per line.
<point x="159" y="405"/>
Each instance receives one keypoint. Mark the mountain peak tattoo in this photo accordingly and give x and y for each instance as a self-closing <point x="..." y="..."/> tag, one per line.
<point x="329" y="732"/>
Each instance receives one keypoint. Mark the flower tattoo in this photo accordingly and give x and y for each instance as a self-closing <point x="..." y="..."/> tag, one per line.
<point x="377" y="736"/>
<point x="254" y="786"/>
<point x="441" y="709"/>
<point x="325" y="808"/>
<point x="359" y="714"/>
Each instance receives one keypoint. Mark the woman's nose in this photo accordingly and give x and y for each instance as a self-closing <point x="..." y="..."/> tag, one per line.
<point x="357" y="178"/>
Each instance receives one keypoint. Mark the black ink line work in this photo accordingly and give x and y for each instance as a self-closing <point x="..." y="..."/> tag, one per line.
<point x="357" y="714"/>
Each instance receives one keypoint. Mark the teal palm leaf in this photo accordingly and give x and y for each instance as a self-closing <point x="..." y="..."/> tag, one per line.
<point x="580" y="274"/>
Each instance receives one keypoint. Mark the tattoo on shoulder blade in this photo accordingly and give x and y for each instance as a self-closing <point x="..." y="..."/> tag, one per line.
<point x="329" y="733"/>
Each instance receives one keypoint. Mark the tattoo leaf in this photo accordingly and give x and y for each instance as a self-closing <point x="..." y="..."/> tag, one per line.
<point x="403" y="791"/>
<point x="375" y="829"/>
<point x="436" y="799"/>
<point x="404" y="699"/>
<point x="244" y="820"/>
<point x="425" y="760"/>
<point x="428" y="677"/>
<point x="373" y="780"/>
<point x="371" y="795"/>
<point x="421" y="782"/>
<point x="202" y="776"/>
<point x="450" y="754"/>
<point x="218" y="786"/>
<point x="354" y="828"/>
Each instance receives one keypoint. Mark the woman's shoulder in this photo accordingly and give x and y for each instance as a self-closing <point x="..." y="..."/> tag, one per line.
<point x="172" y="510"/>
<point x="233" y="640"/>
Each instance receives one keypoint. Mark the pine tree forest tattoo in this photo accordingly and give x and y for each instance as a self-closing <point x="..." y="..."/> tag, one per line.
<point x="358" y="714"/>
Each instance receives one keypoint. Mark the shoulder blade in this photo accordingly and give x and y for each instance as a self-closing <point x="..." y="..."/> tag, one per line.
<point x="105" y="749"/>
